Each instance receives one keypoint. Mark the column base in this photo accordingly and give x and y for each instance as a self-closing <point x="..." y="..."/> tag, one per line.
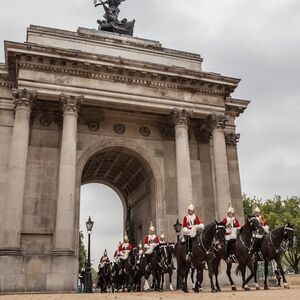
<point x="63" y="252"/>
<point x="10" y="251"/>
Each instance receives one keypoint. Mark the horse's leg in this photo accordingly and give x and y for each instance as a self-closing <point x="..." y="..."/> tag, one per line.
<point x="185" y="276"/>
<point x="278" y="262"/>
<point x="196" y="288"/>
<point x="210" y="274"/>
<point x="243" y="271"/>
<point x="266" y="275"/>
<point x="255" y="275"/>
<point x="251" y="268"/>
<point x="216" y="272"/>
<point x="162" y="281"/>
<point x="228" y="272"/>
<point x="170" y="279"/>
<point x="146" y="285"/>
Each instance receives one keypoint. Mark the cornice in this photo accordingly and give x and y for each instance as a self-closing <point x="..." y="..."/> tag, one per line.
<point x="70" y="57"/>
<point x="121" y="75"/>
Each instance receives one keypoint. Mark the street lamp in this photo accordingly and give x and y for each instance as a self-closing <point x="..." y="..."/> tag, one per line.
<point x="177" y="226"/>
<point x="88" y="282"/>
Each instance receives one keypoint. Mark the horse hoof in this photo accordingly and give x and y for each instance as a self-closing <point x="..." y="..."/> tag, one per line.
<point x="233" y="288"/>
<point x="247" y="289"/>
<point x="286" y="287"/>
<point x="196" y="290"/>
<point x="219" y="289"/>
<point x="213" y="290"/>
<point x="257" y="288"/>
<point x="266" y="288"/>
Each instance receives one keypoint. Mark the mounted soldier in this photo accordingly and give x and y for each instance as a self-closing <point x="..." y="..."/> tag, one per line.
<point x="259" y="235"/>
<point x="123" y="252"/>
<point x="104" y="259"/>
<point x="232" y="225"/>
<point x="151" y="241"/>
<point x="191" y="223"/>
<point x="261" y="219"/>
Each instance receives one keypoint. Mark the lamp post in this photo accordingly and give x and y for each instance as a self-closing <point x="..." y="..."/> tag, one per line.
<point x="88" y="282"/>
<point x="178" y="226"/>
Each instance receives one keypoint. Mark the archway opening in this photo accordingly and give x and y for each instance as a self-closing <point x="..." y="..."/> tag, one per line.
<point x="105" y="207"/>
<point x="129" y="175"/>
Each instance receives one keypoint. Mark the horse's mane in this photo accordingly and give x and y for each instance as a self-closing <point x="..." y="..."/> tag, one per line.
<point x="209" y="226"/>
<point x="243" y="227"/>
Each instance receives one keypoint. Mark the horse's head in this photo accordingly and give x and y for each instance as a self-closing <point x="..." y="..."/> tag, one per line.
<point x="254" y="224"/>
<point x="288" y="234"/>
<point x="134" y="254"/>
<point x="166" y="252"/>
<point x="220" y="234"/>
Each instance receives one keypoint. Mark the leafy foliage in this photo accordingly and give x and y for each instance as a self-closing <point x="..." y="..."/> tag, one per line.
<point x="278" y="212"/>
<point x="82" y="257"/>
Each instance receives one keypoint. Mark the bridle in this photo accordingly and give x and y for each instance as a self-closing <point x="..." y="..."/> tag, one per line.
<point x="249" y="248"/>
<point x="284" y="244"/>
<point x="215" y="241"/>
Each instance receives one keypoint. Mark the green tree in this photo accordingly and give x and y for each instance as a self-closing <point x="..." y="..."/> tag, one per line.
<point x="278" y="212"/>
<point x="82" y="257"/>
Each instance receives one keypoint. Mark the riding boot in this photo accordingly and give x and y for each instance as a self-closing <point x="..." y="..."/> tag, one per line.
<point x="187" y="247"/>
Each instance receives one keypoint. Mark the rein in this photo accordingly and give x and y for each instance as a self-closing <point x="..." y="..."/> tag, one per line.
<point x="213" y="242"/>
<point x="249" y="248"/>
<point x="283" y="245"/>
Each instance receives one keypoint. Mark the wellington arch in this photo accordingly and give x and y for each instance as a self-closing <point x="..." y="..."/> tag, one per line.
<point x="90" y="106"/>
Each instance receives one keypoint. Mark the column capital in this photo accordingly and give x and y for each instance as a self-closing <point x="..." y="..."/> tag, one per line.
<point x="217" y="121"/>
<point x="181" y="116"/>
<point x="24" y="98"/>
<point x="232" y="138"/>
<point x="70" y="104"/>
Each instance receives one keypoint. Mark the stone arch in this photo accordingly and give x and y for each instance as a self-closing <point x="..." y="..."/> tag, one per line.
<point x="146" y="158"/>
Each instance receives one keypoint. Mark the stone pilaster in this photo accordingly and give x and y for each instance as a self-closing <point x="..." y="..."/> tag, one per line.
<point x="183" y="162"/>
<point x="218" y="124"/>
<point x="12" y="223"/>
<point x="64" y="231"/>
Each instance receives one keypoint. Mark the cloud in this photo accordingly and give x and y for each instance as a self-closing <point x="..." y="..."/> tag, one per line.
<point x="257" y="41"/>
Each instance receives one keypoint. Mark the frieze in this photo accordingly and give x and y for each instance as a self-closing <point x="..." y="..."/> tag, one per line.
<point x="137" y="78"/>
<point x="93" y="126"/>
<point x="145" y="131"/>
<point x="119" y="128"/>
<point x="232" y="139"/>
<point x="45" y="120"/>
<point x="167" y="131"/>
<point x="202" y="133"/>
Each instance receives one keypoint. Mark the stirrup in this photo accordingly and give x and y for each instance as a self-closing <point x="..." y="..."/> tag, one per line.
<point x="188" y="257"/>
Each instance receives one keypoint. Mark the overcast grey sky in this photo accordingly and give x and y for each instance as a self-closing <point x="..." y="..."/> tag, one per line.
<point x="255" y="40"/>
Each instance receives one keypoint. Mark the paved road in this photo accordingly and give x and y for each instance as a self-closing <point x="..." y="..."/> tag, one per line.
<point x="274" y="294"/>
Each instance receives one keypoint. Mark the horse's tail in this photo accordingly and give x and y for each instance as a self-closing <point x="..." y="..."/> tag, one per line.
<point x="237" y="270"/>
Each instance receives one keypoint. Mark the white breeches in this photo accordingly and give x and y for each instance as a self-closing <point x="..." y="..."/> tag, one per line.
<point x="124" y="254"/>
<point x="232" y="234"/>
<point x="150" y="248"/>
<point x="193" y="231"/>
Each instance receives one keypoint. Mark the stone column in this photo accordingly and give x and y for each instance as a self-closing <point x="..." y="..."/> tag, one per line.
<point x="13" y="211"/>
<point x="218" y="123"/>
<point x="64" y="230"/>
<point x="183" y="161"/>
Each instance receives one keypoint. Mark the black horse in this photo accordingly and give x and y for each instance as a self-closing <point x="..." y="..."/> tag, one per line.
<point x="271" y="247"/>
<point x="202" y="251"/>
<point x="104" y="281"/>
<point x="165" y="264"/>
<point x="243" y="250"/>
<point x="129" y="268"/>
<point x="149" y="265"/>
<point x="206" y="248"/>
